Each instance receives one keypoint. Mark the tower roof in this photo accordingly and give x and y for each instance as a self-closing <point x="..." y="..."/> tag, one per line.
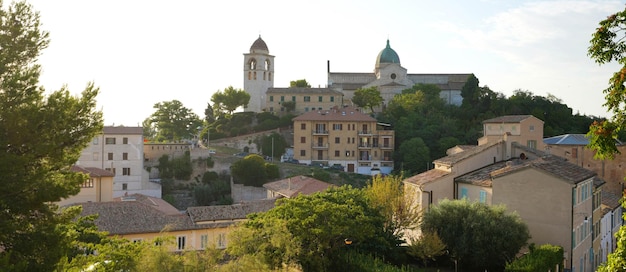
<point x="259" y="44"/>
<point x="387" y="55"/>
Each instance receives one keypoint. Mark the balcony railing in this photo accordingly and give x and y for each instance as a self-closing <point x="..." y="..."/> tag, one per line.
<point x="320" y="145"/>
<point x="365" y="146"/>
<point x="320" y="132"/>
<point x="366" y="132"/>
<point x="386" y="146"/>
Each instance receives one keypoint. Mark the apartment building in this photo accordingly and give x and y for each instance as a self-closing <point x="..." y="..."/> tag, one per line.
<point x="343" y="136"/>
<point x="304" y="99"/>
<point x="120" y="151"/>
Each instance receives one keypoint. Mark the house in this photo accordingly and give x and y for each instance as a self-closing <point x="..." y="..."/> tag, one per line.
<point x="304" y="99"/>
<point x="143" y="218"/>
<point x="612" y="214"/>
<point x="120" y="151"/>
<point x="558" y="200"/>
<point x="98" y="187"/>
<point x="294" y="186"/>
<point x="343" y="136"/>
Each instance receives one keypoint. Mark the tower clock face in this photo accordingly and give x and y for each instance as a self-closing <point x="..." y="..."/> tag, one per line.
<point x="393" y="76"/>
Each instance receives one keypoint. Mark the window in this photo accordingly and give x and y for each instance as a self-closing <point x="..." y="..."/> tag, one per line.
<point x="302" y="153"/>
<point x="124" y="186"/>
<point x="271" y="109"/>
<point x="574" y="153"/>
<point x="204" y="241"/>
<point x="87" y="184"/>
<point x="125" y="156"/>
<point x="110" y="141"/>
<point x="337" y="153"/>
<point x="463" y="193"/>
<point x="531" y="144"/>
<point x="125" y="140"/>
<point x="302" y="140"/>
<point x="126" y="171"/>
<point x="271" y="98"/>
<point x="483" y="197"/>
<point x="110" y="156"/>
<point x="337" y="126"/>
<point x="320" y="99"/>
<point x="181" y="243"/>
<point x="293" y="98"/>
<point x="337" y="140"/>
<point x="332" y="99"/>
<point x="306" y="109"/>
<point x="282" y="98"/>
<point x="221" y="240"/>
<point x="307" y="99"/>
<point x="303" y="126"/>
<point x="95" y="141"/>
<point x="531" y="128"/>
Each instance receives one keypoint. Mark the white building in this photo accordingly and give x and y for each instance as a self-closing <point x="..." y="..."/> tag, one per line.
<point x="258" y="74"/>
<point x="610" y="224"/>
<point x="120" y="150"/>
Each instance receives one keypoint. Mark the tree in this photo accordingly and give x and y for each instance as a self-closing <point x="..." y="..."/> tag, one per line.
<point x="311" y="230"/>
<point x="400" y="209"/>
<point x="172" y="121"/>
<point x="289" y="105"/>
<point x="545" y="258"/>
<point x="427" y="248"/>
<point x="367" y="97"/>
<point x="230" y="99"/>
<point x="250" y="171"/>
<point x="473" y="230"/>
<point x="273" y="145"/>
<point x="42" y="135"/>
<point x="299" y="83"/>
<point x="414" y="155"/>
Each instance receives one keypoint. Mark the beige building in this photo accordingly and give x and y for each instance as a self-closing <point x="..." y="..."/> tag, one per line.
<point x="120" y="150"/>
<point x="304" y="99"/>
<point x="558" y="200"/>
<point x="98" y="187"/>
<point x="143" y="218"/>
<point x="391" y="78"/>
<point x="343" y="136"/>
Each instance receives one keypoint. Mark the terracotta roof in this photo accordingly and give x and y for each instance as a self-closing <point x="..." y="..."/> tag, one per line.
<point x="92" y="171"/>
<point x="508" y="119"/>
<point x="154" y="202"/>
<point x="292" y="187"/>
<point x="298" y="90"/>
<point x="338" y="115"/>
<point x="554" y="165"/>
<point x="610" y="199"/>
<point x="123" y="130"/>
<point x="482" y="176"/>
<point x="426" y="177"/>
<point x="229" y="212"/>
<point x="457" y="157"/>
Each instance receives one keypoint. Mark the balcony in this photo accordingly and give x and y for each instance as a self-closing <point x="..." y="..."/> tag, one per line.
<point x="386" y="146"/>
<point x="365" y="146"/>
<point x="320" y="132"/>
<point x="366" y="132"/>
<point x="319" y="146"/>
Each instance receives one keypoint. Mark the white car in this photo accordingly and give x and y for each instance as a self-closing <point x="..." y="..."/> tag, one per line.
<point x="211" y="151"/>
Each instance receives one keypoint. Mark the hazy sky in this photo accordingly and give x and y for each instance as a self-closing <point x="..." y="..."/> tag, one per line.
<point x="143" y="52"/>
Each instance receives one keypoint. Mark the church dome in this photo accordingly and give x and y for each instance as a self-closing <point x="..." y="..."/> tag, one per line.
<point x="387" y="55"/>
<point x="259" y="44"/>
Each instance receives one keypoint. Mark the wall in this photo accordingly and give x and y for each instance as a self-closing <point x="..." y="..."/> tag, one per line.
<point x="240" y="192"/>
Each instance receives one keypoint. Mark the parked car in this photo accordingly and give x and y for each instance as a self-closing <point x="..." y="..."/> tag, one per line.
<point x="294" y="161"/>
<point x="211" y="151"/>
<point x="337" y="167"/>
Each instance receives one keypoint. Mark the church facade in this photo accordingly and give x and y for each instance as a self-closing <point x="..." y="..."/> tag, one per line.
<point x="388" y="76"/>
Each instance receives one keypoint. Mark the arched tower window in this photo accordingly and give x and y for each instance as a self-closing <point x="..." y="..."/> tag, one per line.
<point x="252" y="64"/>
<point x="267" y="65"/>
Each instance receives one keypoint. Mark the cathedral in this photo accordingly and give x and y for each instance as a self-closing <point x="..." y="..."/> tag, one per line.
<point x="388" y="76"/>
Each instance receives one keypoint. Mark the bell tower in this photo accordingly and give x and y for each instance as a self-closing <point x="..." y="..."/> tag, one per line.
<point x="258" y="74"/>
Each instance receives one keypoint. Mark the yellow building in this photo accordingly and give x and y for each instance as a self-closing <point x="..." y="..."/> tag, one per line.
<point x="97" y="188"/>
<point x="303" y="99"/>
<point x="143" y="218"/>
<point x="343" y="136"/>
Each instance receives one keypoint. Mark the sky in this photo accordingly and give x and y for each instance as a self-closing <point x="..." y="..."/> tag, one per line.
<point x="143" y="52"/>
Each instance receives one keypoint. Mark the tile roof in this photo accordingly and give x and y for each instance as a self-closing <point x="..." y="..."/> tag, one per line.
<point x="123" y="130"/>
<point x="508" y="119"/>
<point x="297" y="90"/>
<point x="482" y="176"/>
<point x="567" y="139"/>
<point x="229" y="212"/>
<point x="610" y="199"/>
<point x="93" y="172"/>
<point x="457" y="157"/>
<point x="554" y="165"/>
<point x="338" y="115"/>
<point x="292" y="187"/>
<point x="426" y="177"/>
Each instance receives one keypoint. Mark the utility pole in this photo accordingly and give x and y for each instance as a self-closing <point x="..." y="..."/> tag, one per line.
<point x="272" y="147"/>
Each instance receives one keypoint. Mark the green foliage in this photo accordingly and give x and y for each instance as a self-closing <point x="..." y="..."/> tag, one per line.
<point x="250" y="171"/>
<point x="310" y="231"/>
<point x="427" y="248"/>
<point x="355" y="261"/>
<point x="400" y="209"/>
<point x="42" y="133"/>
<point x="179" y="168"/>
<point x="544" y="258"/>
<point x="299" y="83"/>
<point x="289" y="105"/>
<point x="617" y="260"/>
<point x="415" y="155"/>
<point x="603" y="138"/>
<point x="367" y="98"/>
<point x="229" y="100"/>
<point x="274" y="140"/>
<point x="272" y="171"/>
<point x="473" y="230"/>
<point x="213" y="192"/>
<point x="209" y="177"/>
<point x="171" y="122"/>
<point x="320" y="174"/>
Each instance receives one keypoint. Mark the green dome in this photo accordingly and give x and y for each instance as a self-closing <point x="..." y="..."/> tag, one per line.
<point x="387" y="55"/>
